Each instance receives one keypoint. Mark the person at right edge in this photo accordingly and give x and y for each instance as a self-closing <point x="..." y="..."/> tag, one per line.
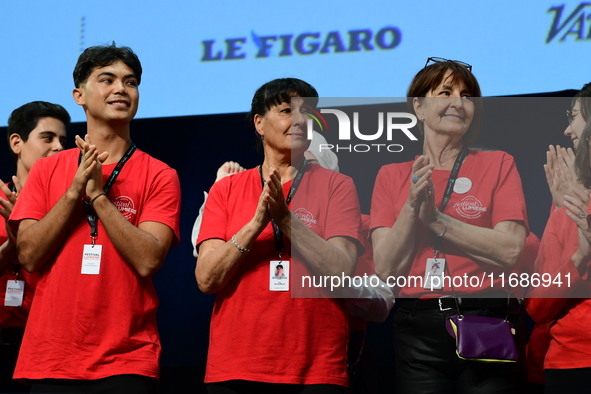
<point x="564" y="299"/>
<point x="476" y="227"/>
<point x="561" y="177"/>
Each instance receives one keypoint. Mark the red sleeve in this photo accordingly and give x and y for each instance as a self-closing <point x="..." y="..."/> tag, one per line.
<point x="526" y="262"/>
<point x="559" y="243"/>
<point x="384" y="210"/>
<point x="215" y="214"/>
<point x="544" y="310"/>
<point x="32" y="200"/>
<point x="509" y="201"/>
<point x="529" y="255"/>
<point x="3" y="234"/>
<point x="344" y="215"/>
<point x="163" y="204"/>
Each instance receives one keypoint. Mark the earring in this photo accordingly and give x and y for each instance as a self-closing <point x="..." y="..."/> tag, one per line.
<point x="421" y="118"/>
<point x="262" y="138"/>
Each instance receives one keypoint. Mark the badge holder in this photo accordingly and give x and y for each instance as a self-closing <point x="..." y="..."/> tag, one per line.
<point x="15" y="290"/>
<point x="279" y="275"/>
<point x="434" y="272"/>
<point x="279" y="269"/>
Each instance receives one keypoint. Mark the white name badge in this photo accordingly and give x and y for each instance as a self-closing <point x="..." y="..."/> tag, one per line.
<point x="15" y="290"/>
<point x="91" y="259"/>
<point x="434" y="274"/>
<point x="279" y="273"/>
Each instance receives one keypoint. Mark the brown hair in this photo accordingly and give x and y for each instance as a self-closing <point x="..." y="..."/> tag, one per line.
<point x="582" y="156"/>
<point x="431" y="77"/>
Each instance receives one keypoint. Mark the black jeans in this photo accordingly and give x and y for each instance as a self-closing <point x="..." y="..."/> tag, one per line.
<point x="426" y="359"/>
<point x="571" y="381"/>
<point x="247" y="387"/>
<point x="118" y="384"/>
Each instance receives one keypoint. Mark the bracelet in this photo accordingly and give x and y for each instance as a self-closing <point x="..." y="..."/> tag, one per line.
<point x="95" y="197"/>
<point x="240" y="248"/>
<point x="439" y="215"/>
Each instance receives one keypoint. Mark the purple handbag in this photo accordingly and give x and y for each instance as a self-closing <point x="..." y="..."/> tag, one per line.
<point x="481" y="338"/>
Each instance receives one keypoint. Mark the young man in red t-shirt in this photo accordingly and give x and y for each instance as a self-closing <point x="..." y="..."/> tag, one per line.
<point x="35" y="130"/>
<point x="97" y="223"/>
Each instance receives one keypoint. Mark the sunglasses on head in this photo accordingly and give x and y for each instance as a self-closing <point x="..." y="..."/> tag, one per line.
<point x="433" y="60"/>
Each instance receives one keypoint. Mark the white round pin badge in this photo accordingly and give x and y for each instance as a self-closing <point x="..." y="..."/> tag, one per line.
<point x="462" y="185"/>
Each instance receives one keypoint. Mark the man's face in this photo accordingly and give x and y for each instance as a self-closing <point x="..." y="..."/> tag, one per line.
<point x="110" y="94"/>
<point x="47" y="138"/>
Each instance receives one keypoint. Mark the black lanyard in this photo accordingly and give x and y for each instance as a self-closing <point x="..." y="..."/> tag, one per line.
<point x="292" y="191"/>
<point x="16" y="266"/>
<point x="16" y="269"/>
<point x="91" y="215"/>
<point x="437" y="241"/>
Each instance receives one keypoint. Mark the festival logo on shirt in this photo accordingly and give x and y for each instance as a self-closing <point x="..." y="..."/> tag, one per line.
<point x="470" y="207"/>
<point x="305" y="216"/>
<point x="125" y="205"/>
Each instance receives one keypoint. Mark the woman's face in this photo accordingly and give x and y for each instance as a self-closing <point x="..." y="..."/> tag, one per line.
<point x="447" y="109"/>
<point x="284" y="126"/>
<point x="575" y="129"/>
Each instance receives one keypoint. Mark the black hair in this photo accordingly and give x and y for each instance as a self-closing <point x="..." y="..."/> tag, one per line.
<point x="103" y="56"/>
<point x="280" y="91"/>
<point x="25" y="118"/>
<point x="582" y="155"/>
<point x="275" y="92"/>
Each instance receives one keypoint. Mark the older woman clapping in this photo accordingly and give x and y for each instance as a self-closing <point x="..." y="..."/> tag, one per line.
<point x="289" y="214"/>
<point x="455" y="212"/>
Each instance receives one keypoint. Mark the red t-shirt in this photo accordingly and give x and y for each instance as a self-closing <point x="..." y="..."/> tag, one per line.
<point x="268" y="336"/>
<point x="569" y="309"/>
<point x="537" y="346"/>
<point x="495" y="196"/>
<point x="11" y="316"/>
<point x="94" y="326"/>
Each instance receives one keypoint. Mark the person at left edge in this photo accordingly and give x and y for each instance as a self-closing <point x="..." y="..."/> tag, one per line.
<point x="93" y="323"/>
<point x="35" y="130"/>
